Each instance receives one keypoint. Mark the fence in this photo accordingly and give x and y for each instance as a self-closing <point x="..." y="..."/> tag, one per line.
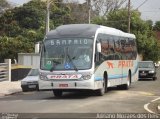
<point x="5" y="70"/>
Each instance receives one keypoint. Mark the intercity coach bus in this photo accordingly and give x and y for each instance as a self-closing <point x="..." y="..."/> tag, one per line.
<point x="87" y="57"/>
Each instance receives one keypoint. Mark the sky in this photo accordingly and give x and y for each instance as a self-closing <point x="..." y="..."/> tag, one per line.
<point x="150" y="10"/>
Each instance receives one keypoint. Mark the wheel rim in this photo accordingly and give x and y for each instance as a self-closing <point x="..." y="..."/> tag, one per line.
<point x="103" y="88"/>
<point x="128" y="81"/>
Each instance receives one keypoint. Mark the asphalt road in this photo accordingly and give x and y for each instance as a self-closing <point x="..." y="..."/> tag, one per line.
<point x="142" y="97"/>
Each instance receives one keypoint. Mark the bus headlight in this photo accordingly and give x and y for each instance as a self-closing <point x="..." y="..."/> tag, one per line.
<point x="42" y="77"/>
<point x="151" y="72"/>
<point x="86" y="77"/>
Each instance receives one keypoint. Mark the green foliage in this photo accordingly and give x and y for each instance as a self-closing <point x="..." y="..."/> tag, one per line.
<point x="21" y="27"/>
<point x="146" y="42"/>
<point x="31" y="15"/>
<point x="8" y="25"/>
<point x="99" y="20"/>
<point x="157" y="26"/>
<point x="117" y="19"/>
<point x="59" y="14"/>
<point x="10" y="47"/>
<point x="4" y="5"/>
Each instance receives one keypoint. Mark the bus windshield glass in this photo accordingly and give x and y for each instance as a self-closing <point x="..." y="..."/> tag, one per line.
<point x="67" y="54"/>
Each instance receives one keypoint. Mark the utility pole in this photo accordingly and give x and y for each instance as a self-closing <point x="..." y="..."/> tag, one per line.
<point x="47" y="17"/>
<point x="129" y="15"/>
<point x="89" y="11"/>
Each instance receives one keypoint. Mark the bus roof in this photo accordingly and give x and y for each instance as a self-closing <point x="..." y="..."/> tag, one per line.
<point x="84" y="30"/>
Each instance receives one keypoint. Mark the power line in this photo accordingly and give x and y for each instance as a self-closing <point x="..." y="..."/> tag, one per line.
<point x="118" y="21"/>
<point x="141" y="4"/>
<point x="151" y="11"/>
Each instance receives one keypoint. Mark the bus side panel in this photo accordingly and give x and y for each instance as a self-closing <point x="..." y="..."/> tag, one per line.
<point x="114" y="72"/>
<point x="135" y="71"/>
<point x="117" y="71"/>
<point x="44" y="85"/>
<point x="133" y="67"/>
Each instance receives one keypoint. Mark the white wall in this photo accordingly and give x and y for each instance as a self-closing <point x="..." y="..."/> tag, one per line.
<point x="29" y="59"/>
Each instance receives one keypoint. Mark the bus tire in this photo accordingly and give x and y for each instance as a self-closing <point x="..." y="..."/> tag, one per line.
<point x="57" y="93"/>
<point x="100" y="92"/>
<point x="106" y="81"/>
<point x="103" y="90"/>
<point x="128" y="84"/>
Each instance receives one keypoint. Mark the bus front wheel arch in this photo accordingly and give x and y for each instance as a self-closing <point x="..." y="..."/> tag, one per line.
<point x="103" y="90"/>
<point x="128" y="83"/>
<point x="105" y="76"/>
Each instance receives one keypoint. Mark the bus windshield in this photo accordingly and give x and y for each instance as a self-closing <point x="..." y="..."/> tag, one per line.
<point x="67" y="54"/>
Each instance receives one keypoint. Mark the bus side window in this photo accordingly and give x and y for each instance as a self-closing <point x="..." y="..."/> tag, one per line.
<point x="111" y="48"/>
<point x="97" y="54"/>
<point x="117" y="47"/>
<point x="132" y="47"/>
<point x="123" y="48"/>
<point x="128" y="49"/>
<point x="107" y="44"/>
<point x="105" y="47"/>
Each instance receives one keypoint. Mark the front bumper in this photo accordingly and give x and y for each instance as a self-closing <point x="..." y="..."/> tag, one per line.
<point x="68" y="85"/>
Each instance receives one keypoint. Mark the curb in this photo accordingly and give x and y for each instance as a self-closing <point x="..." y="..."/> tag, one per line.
<point x="9" y="93"/>
<point x="12" y="93"/>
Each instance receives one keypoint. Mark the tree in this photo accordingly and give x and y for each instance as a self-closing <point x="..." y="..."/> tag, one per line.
<point x="31" y="15"/>
<point x="8" y="24"/>
<point x="78" y="13"/>
<point x="21" y="27"/>
<point x="3" y="6"/>
<point x="157" y="26"/>
<point x="10" y="47"/>
<point x="150" y="23"/>
<point x="146" y="41"/>
<point x="103" y="7"/>
<point x="59" y="13"/>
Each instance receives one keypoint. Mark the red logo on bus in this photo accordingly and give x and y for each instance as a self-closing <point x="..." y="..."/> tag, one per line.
<point x="68" y="76"/>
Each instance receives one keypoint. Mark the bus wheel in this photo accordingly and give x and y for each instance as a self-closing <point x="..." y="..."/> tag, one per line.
<point x="106" y="82"/>
<point x="128" y="84"/>
<point x="103" y="90"/>
<point x="57" y="93"/>
<point x="100" y="92"/>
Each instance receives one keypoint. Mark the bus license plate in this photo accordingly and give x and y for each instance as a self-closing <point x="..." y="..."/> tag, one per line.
<point x="63" y="85"/>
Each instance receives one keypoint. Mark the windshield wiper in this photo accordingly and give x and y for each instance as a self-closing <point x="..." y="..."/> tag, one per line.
<point x="54" y="64"/>
<point x="70" y="59"/>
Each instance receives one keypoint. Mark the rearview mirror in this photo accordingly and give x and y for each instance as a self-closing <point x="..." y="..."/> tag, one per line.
<point x="99" y="47"/>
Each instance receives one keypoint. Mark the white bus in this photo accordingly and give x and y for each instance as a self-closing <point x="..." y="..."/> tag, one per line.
<point x="87" y="57"/>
